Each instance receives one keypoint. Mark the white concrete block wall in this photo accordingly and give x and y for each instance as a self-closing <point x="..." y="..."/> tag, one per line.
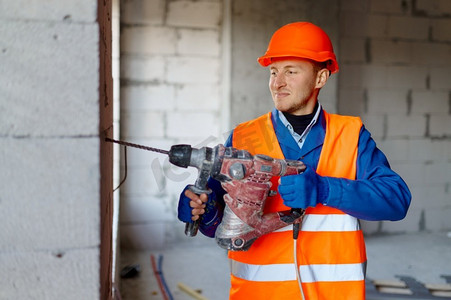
<point x="49" y="150"/>
<point x="25" y="65"/>
<point x="194" y="14"/>
<point x="398" y="60"/>
<point x="171" y="73"/>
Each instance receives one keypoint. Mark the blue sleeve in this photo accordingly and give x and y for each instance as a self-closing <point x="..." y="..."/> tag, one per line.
<point x="377" y="194"/>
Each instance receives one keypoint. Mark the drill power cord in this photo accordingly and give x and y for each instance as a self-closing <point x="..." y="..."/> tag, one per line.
<point x="296" y="228"/>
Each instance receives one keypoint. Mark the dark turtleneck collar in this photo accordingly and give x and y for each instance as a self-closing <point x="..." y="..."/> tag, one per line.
<point x="300" y="123"/>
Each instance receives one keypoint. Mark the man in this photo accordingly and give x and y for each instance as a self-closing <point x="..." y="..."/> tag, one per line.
<point x="347" y="178"/>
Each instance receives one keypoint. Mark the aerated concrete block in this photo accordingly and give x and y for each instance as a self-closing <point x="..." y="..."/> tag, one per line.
<point x="448" y="149"/>
<point x="148" y="40"/>
<point x="411" y="223"/>
<point x="431" y="54"/>
<point x="50" y="10"/>
<point x="351" y="102"/>
<point x="437" y="173"/>
<point x="194" y="14"/>
<point x="440" y="30"/>
<point x="55" y="182"/>
<point x="150" y="12"/>
<point x="395" y="150"/>
<point x="412" y="173"/>
<point x="354" y="6"/>
<point x="433" y="196"/>
<point x="439" y="78"/>
<point x="136" y="210"/>
<point x="435" y="102"/>
<point x="187" y="70"/>
<point x="440" y="125"/>
<point x="363" y="76"/>
<point x="391" y="52"/>
<point x="143" y="125"/>
<point x="434" y="7"/>
<point x="352" y="50"/>
<point x="147" y="97"/>
<point x="407" y="77"/>
<point x="143" y="182"/>
<point x="427" y="150"/>
<point x="184" y="124"/>
<point x="374" y="124"/>
<point x="406" y="126"/>
<point x="198" y="42"/>
<point x="357" y="24"/>
<point x="143" y="69"/>
<point x="438" y="219"/>
<point x="198" y="97"/>
<point x="392" y="7"/>
<point x="59" y="274"/>
<point x="407" y="27"/>
<point x="41" y="64"/>
<point x="177" y="180"/>
<point x="380" y="99"/>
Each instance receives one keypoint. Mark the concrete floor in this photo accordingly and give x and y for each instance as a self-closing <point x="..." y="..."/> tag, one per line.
<point x="201" y="264"/>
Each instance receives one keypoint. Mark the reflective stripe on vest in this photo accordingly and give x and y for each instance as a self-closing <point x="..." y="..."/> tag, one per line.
<point x="346" y="272"/>
<point x="309" y="273"/>
<point x="274" y="272"/>
<point x="326" y="223"/>
<point x="331" y="249"/>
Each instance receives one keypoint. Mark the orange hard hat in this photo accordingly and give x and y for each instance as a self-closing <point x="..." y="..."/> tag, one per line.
<point x="301" y="39"/>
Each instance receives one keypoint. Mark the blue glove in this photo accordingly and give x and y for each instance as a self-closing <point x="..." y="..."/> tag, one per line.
<point x="304" y="190"/>
<point x="210" y="219"/>
<point x="184" y="209"/>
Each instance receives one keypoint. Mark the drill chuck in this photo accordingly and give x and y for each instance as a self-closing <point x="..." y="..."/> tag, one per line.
<point x="180" y="155"/>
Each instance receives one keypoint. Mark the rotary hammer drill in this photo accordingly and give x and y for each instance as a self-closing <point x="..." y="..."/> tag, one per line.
<point x="247" y="180"/>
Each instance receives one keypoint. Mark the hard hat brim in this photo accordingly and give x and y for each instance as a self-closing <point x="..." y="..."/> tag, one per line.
<point x="267" y="59"/>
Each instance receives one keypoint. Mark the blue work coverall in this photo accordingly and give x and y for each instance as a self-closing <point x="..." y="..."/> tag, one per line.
<point x="377" y="193"/>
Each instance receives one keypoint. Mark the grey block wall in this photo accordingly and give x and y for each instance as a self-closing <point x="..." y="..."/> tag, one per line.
<point x="396" y="59"/>
<point x="50" y="179"/>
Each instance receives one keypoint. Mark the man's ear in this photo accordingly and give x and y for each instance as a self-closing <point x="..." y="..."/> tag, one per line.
<point x="321" y="78"/>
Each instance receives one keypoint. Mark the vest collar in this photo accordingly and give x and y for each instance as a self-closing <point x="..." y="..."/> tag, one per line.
<point x="316" y="136"/>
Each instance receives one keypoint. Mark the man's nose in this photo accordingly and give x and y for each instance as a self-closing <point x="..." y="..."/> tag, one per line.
<point x="279" y="81"/>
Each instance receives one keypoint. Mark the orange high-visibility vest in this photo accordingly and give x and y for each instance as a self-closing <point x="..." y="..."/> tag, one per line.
<point x="330" y="250"/>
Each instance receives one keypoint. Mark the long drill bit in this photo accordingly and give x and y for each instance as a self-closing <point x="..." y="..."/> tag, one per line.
<point x="137" y="146"/>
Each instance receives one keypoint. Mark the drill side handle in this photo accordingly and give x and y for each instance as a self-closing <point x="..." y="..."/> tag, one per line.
<point x="191" y="228"/>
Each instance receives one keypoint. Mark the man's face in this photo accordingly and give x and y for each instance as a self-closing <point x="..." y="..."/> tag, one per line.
<point x="294" y="86"/>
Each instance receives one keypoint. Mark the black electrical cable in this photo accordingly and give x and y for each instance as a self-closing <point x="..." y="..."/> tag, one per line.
<point x="125" y="169"/>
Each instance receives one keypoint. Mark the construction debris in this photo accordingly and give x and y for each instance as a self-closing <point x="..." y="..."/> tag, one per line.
<point x="407" y="288"/>
<point x="193" y="293"/>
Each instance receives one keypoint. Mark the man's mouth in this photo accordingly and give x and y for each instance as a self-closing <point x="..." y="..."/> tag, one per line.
<point x="281" y="94"/>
